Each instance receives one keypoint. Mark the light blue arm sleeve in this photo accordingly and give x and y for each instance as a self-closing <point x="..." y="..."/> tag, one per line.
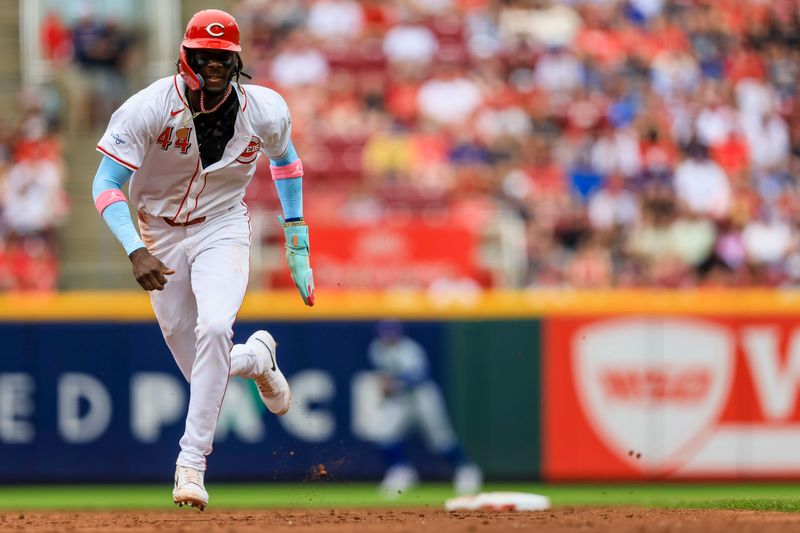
<point x="112" y="175"/>
<point x="290" y="191"/>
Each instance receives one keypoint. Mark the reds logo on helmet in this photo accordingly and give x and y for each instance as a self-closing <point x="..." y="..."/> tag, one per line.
<point x="212" y="31"/>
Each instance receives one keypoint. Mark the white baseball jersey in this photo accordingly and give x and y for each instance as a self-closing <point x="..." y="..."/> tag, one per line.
<point x="153" y="135"/>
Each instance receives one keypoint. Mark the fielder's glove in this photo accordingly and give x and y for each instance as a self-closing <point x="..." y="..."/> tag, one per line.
<point x="297" y="250"/>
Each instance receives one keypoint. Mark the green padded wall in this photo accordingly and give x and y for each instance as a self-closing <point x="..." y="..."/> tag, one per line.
<point x="493" y="388"/>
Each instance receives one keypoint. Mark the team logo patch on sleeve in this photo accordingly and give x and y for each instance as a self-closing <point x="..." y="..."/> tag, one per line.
<point x="251" y="152"/>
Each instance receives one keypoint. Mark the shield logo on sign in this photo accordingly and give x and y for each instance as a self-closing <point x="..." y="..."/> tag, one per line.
<point x="654" y="387"/>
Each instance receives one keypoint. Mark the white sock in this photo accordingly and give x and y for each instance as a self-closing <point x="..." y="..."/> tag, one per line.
<point x="243" y="363"/>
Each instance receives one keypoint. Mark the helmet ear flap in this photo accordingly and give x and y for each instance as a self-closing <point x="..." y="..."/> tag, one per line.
<point x="193" y="80"/>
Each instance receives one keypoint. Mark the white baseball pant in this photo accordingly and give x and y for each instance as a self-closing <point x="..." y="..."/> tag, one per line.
<point x="196" y="311"/>
<point x="422" y="408"/>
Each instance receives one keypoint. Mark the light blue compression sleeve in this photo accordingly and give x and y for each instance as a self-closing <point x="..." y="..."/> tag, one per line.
<point x="112" y="175"/>
<point x="290" y="191"/>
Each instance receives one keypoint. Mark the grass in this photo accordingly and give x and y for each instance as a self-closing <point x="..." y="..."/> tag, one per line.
<point x="767" y="497"/>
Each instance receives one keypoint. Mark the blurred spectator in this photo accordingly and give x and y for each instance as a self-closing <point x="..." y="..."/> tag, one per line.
<point x="100" y="49"/>
<point x="768" y="141"/>
<point x="412" y="44"/>
<point x="716" y="121"/>
<point x="701" y="184"/>
<point x="651" y="238"/>
<point x="299" y="63"/>
<point x="675" y="73"/>
<point x="450" y="97"/>
<point x="613" y="206"/>
<point x="55" y="38"/>
<point x="732" y="155"/>
<point x="591" y="266"/>
<point x="767" y="239"/>
<point x="693" y="238"/>
<point x="90" y="66"/>
<point x="32" y="197"/>
<point x="558" y="70"/>
<point x="32" y="202"/>
<point x="544" y="23"/>
<point x="335" y="19"/>
<point x="617" y="151"/>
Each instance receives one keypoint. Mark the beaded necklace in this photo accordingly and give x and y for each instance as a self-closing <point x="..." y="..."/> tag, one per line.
<point x="203" y="110"/>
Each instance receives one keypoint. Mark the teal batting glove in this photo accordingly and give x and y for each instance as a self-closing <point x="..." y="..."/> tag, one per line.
<point x="297" y="250"/>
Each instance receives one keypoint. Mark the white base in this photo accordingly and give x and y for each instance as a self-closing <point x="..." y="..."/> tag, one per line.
<point x="499" y="501"/>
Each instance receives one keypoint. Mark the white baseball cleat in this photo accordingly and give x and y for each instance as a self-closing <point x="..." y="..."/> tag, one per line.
<point x="468" y="479"/>
<point x="272" y="385"/>
<point x="398" y="479"/>
<point x="189" y="489"/>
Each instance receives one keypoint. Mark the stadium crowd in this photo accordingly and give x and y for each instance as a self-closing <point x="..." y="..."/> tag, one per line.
<point x="32" y="202"/>
<point x="634" y="142"/>
<point x="639" y="142"/>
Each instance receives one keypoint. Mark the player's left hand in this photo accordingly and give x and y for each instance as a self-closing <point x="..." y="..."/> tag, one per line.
<point x="297" y="255"/>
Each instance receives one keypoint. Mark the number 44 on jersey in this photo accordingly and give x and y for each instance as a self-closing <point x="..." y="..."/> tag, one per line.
<point x="181" y="141"/>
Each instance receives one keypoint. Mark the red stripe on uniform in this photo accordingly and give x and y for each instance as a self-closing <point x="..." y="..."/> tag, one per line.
<point x="117" y="159"/>
<point x="177" y="90"/>
<point x="196" y="198"/>
<point x="249" y="227"/>
<point x="189" y="188"/>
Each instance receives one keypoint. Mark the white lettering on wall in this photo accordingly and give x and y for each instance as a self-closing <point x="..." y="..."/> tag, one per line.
<point x="240" y="414"/>
<point x="76" y="427"/>
<point x="776" y="382"/>
<point x="157" y="400"/>
<point x="311" y="424"/>
<point x="16" y="404"/>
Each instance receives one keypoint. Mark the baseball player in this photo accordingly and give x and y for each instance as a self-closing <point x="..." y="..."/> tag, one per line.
<point x="412" y="400"/>
<point x="189" y="144"/>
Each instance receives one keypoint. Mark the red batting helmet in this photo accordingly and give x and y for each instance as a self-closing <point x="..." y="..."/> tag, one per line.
<point x="211" y="29"/>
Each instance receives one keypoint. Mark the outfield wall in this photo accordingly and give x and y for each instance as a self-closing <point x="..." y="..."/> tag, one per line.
<point x="547" y="384"/>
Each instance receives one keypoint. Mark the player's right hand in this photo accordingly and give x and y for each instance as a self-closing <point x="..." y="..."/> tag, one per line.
<point x="148" y="270"/>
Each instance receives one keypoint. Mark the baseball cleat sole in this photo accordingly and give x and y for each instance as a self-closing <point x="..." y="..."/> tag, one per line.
<point x="191" y="503"/>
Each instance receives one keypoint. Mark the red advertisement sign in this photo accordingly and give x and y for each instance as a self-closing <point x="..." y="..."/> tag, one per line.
<point x="391" y="255"/>
<point x="671" y="397"/>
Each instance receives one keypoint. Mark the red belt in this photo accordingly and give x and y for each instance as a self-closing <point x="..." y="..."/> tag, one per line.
<point x="144" y="217"/>
<point x="184" y="224"/>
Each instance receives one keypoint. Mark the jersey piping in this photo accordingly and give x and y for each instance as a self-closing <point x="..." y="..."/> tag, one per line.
<point x="117" y="159"/>
<point x="189" y="188"/>
<point x="197" y="198"/>
<point x="177" y="90"/>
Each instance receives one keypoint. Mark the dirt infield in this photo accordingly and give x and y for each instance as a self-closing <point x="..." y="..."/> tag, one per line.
<point x="617" y="519"/>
